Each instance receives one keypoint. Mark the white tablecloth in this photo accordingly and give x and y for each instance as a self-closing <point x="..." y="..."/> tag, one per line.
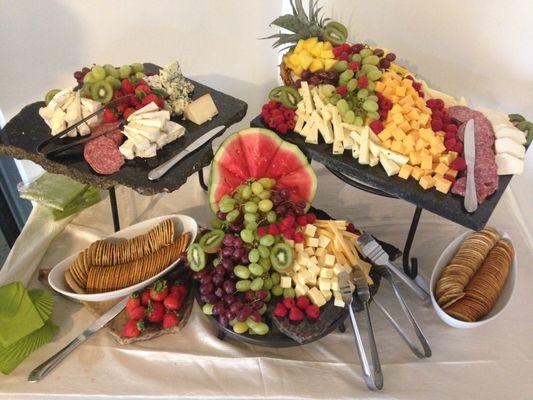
<point x="491" y="362"/>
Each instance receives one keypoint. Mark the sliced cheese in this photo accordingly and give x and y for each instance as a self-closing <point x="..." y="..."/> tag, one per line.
<point x="149" y="132"/>
<point x="162" y="115"/>
<point x="509" y="165"/>
<point x="141" y="142"/>
<point x="364" y="151"/>
<point x="391" y="168"/>
<point x="150" y="107"/>
<point x="174" y="130"/>
<point x="127" y="149"/>
<point x="515" y="134"/>
<point x="506" y="145"/>
<point x="149" y="152"/>
<point x="306" y="96"/>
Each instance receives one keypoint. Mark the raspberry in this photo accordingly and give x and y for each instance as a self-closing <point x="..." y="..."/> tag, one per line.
<point x="362" y="82"/>
<point x="386" y="104"/>
<point x="273" y="104"/>
<point x="436" y="124"/>
<point x="283" y="128"/>
<point x="291" y="124"/>
<point x="410" y="77"/>
<point x="288" y="114"/>
<point x="343" y="56"/>
<point x="436" y="114"/>
<point x="450" y="178"/>
<point x="289" y="233"/>
<point x="439" y="103"/>
<point x="376" y="126"/>
<point x="311" y="218"/>
<point x="342" y="90"/>
<point x="450" y="143"/>
<point x="458" y="164"/>
<point x="421" y="94"/>
<point x="430" y="103"/>
<point x="299" y="237"/>
<point x="417" y="86"/>
<point x="337" y="51"/>
<point x="295" y="314"/>
<point x="262" y="231"/>
<point x="351" y="228"/>
<point x="279" y="119"/>
<point x="312" y="311"/>
<point x="458" y="147"/>
<point x="450" y="128"/>
<point x="276" y="112"/>
<point x="354" y="65"/>
<point x="383" y="114"/>
<point x="288" y="302"/>
<point x="346" y="47"/>
<point x="301" y="220"/>
<point x="449" y="135"/>
<point x="280" y="310"/>
<point x="302" y="302"/>
<point x="273" y="230"/>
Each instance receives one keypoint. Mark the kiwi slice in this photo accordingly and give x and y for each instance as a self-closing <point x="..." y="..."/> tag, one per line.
<point x="196" y="257"/>
<point x="114" y="82"/>
<point x="50" y="95"/>
<point x="102" y="91"/>
<point x="110" y="70"/>
<point x="211" y="241"/>
<point x="281" y="257"/>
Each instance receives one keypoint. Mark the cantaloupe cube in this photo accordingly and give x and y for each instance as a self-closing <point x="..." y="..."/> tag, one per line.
<point x="396" y="109"/>
<point x="380" y="86"/>
<point x="397" y="146"/>
<point x="420" y="144"/>
<point x="426" y="162"/>
<point x="443" y="185"/>
<point x="437" y="148"/>
<point x="398" y="133"/>
<point x="405" y="171"/>
<point x="452" y="172"/>
<point x="397" y="118"/>
<point x="417" y="173"/>
<point x="407" y="83"/>
<point x="414" y="158"/>
<point x="427" y="182"/>
<point x="423" y="118"/>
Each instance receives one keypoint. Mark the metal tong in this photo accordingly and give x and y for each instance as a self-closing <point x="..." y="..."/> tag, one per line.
<point x="373" y="379"/>
<point x="45" y="143"/>
<point x="384" y="270"/>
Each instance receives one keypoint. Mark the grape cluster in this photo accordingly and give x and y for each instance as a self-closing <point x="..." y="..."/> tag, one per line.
<point x="79" y="75"/>
<point x="330" y="77"/>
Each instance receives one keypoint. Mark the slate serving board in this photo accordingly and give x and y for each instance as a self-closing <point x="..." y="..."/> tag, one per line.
<point x="26" y="130"/>
<point x="449" y="206"/>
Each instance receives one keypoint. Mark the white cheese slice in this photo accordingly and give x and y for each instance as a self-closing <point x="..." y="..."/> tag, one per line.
<point x="162" y="115"/>
<point x="502" y="125"/>
<point x="391" y="168"/>
<point x="58" y="123"/>
<point x="338" y="147"/>
<point x="506" y="145"/>
<point x="60" y="98"/>
<point x="515" y="134"/>
<point x="338" y="132"/>
<point x="396" y="157"/>
<point x="312" y="135"/>
<point x="162" y="140"/>
<point x="337" y="296"/>
<point x="319" y="104"/>
<point x="174" y="130"/>
<point x="151" y="122"/>
<point x="509" y="165"/>
<point x="141" y="142"/>
<point x="73" y="113"/>
<point x="324" y="129"/>
<point x="149" y="132"/>
<point x="364" y="151"/>
<point x="201" y="110"/>
<point x="127" y="149"/>
<point x="300" y="121"/>
<point x="347" y="142"/>
<point x="147" y="153"/>
<point x="373" y="161"/>
<point x="150" y="107"/>
<point x="306" y="97"/>
<point x="88" y="107"/>
<point x="47" y="114"/>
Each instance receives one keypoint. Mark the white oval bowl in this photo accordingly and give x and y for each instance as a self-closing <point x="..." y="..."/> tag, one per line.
<point x="501" y="302"/>
<point x="182" y="224"/>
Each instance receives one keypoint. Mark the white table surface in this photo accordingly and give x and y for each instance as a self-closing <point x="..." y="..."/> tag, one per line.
<point x="491" y="362"/>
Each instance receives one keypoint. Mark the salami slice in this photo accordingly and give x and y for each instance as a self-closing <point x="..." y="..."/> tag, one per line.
<point x="115" y="134"/>
<point x="103" y="155"/>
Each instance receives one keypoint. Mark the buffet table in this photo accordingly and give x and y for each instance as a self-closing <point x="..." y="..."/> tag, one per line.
<point x="493" y="361"/>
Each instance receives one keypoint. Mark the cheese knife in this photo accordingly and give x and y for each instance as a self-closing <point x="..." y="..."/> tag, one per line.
<point x="470" y="158"/>
<point x="162" y="169"/>
<point x="44" y="369"/>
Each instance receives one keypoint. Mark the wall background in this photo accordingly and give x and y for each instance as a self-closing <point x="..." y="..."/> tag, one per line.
<point x="477" y="49"/>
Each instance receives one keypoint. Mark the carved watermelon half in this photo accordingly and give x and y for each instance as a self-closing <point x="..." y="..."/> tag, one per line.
<point x="259" y="153"/>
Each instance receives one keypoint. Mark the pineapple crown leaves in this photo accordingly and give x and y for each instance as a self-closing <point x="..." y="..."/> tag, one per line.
<point x="302" y="24"/>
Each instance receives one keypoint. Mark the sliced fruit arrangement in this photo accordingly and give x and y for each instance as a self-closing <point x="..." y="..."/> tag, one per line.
<point x="357" y="98"/>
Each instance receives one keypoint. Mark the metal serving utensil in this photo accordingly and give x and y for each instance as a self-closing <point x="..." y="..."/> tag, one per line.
<point x="346" y="292"/>
<point x="470" y="202"/>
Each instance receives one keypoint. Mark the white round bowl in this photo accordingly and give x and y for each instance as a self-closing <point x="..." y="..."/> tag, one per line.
<point x="500" y="304"/>
<point x="182" y="224"/>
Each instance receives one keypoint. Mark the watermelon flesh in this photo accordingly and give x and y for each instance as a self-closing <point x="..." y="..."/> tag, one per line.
<point x="259" y="153"/>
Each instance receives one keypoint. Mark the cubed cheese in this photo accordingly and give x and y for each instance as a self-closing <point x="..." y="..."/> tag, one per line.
<point x="326" y="273"/>
<point x="327" y="294"/>
<point x="310" y="230"/>
<point x="314" y="269"/>
<point x="324" y="284"/>
<point x="427" y="182"/>
<point x="285" y="282"/>
<point x="427" y="162"/>
<point x="321" y="251"/>
<point x="405" y="171"/>
<point x="329" y="260"/>
<point x="299" y="247"/>
<point x="417" y="173"/>
<point x="301" y="290"/>
<point x="337" y="269"/>
<point x="316" y="297"/>
<point x="443" y="185"/>
<point x="302" y="258"/>
<point x="311" y="242"/>
<point x="334" y="283"/>
<point x="441" y="168"/>
<point x="323" y="241"/>
<point x="337" y="296"/>
<point x="310" y="251"/>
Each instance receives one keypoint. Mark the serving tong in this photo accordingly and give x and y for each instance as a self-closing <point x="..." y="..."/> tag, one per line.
<point x="52" y="152"/>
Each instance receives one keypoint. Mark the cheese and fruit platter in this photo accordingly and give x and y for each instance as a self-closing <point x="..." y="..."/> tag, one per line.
<point x="119" y="123"/>
<point x="354" y="108"/>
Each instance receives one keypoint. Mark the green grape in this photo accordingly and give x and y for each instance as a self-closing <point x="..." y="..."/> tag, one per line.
<point x="240" y="188"/>
<point x="335" y="98"/>
<point x="327" y="90"/>
<point x="216" y="261"/>
<point x="257" y="284"/>
<point x="276" y="278"/>
<point x="226" y="204"/>
<point x="255" y="269"/>
<point x="250" y="322"/>
<point x="351" y="85"/>
<point x="268" y="283"/>
<point x="277" y="290"/>
<point x="252" y="226"/>
<point x="260" y="328"/>
<point x="365" y="69"/>
<point x="240" y="327"/>
<point x="250" y="217"/>
<point x="246" y="192"/>
<point x="139" y="75"/>
<point x="267" y="240"/>
<point x="124" y="71"/>
<point x="373" y="60"/>
<point x="342" y="106"/>
<point x="265" y="194"/>
<point x="341" y="66"/>
<point x="369" y="105"/>
<point x="268" y="297"/>
<point x="371" y="86"/>
<point x="257" y="188"/>
<point x="358" y="121"/>
<point x="365" y="53"/>
<point x="343" y="81"/>
<point x="373" y="97"/>
<point x="98" y="72"/>
<point x="233" y="322"/>
<point x="237" y="197"/>
<point x="215" y="223"/>
<point x="247" y="235"/>
<point x="241" y="271"/>
<point x="374" y="75"/>
<point x="268" y="183"/>
<point x="254" y="255"/>
<point x="356" y="57"/>
<point x="362" y="94"/>
<point x="137" y="67"/>
<point x="265" y="205"/>
<point x="110" y="70"/>
<point x="271" y="216"/>
<point x="208" y="309"/>
<point x="232" y="215"/>
<point x="264" y="252"/>
<point x="265" y="263"/>
<point x="243" y="286"/>
<point x="372" y="115"/>
<point x="250" y="207"/>
<point x="348" y="117"/>
<point x="288" y="292"/>
<point x="256" y="199"/>
<point x="347" y="75"/>
<point x="263" y="309"/>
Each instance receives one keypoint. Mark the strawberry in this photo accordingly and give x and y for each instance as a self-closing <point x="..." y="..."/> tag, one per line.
<point x="312" y="311"/>
<point x="180" y="290"/>
<point x="143" y="88"/>
<point x="127" y="86"/>
<point x="110" y="116"/>
<point x="302" y="302"/>
<point x="172" y="302"/>
<point x="145" y="297"/>
<point x="117" y="94"/>
<point x="160" y="102"/>
<point x="148" y="99"/>
<point x="155" y="311"/>
<point x="136" y="103"/>
<point x="344" y="56"/>
<point x="136" y="313"/>
<point x="121" y="107"/>
<point x="159" y="291"/>
<point x="141" y="81"/>
<point x="170" y="320"/>
<point x="139" y="94"/>
<point x="133" y="328"/>
<point x="288" y="302"/>
<point x="337" y="51"/>
<point x="127" y="112"/>
<point x="280" y="310"/>
<point x="133" y="302"/>
<point x="295" y="314"/>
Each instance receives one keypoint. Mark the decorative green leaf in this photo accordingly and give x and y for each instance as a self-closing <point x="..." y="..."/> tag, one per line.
<point x="289" y="22"/>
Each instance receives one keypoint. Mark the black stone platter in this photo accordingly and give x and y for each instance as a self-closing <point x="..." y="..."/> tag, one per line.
<point x="277" y="339"/>
<point x="26" y="130"/>
<point x="449" y="206"/>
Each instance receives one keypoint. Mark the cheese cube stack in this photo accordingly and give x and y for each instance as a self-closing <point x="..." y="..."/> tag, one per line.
<point x="310" y="54"/>
<point x="407" y="131"/>
<point x="148" y="130"/>
<point x="328" y="250"/>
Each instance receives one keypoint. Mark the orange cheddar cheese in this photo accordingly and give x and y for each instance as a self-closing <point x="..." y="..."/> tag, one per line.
<point x="443" y="185"/>
<point x="427" y="182"/>
<point x="441" y="168"/>
<point x="405" y="171"/>
<point x="417" y="173"/>
<point x="426" y="162"/>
